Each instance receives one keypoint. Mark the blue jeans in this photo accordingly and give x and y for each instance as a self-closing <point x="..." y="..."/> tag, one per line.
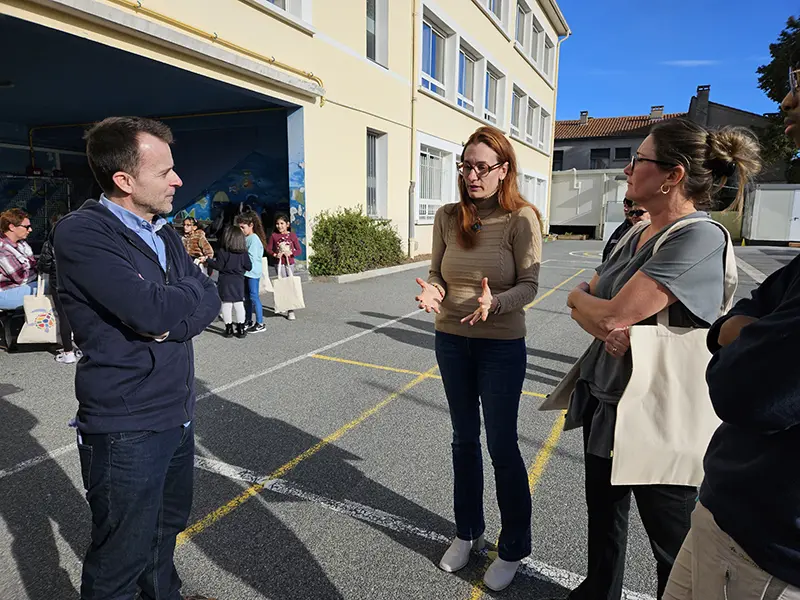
<point x="139" y="488"/>
<point x="487" y="372"/>
<point x="12" y="297"/>
<point x="252" y="302"/>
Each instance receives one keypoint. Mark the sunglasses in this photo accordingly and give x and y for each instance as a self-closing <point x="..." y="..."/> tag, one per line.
<point x="794" y="79"/>
<point x="29" y="227"/>
<point x="637" y="213"/>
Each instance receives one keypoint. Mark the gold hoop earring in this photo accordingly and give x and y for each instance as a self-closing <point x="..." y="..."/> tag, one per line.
<point x="664" y="185"/>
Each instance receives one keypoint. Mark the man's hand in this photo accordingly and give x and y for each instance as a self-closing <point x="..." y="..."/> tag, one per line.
<point x="731" y="329"/>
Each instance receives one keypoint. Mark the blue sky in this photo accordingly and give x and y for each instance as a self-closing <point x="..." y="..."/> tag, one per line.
<point x="627" y="55"/>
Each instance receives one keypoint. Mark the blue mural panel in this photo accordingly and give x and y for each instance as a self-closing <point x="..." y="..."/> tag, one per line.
<point x="297" y="177"/>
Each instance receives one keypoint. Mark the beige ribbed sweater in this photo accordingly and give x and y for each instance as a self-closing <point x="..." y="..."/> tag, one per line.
<point x="508" y="251"/>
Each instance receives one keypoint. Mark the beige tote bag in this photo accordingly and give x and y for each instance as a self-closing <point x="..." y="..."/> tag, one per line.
<point x="287" y="293"/>
<point x="264" y="284"/>
<point x="40" y="318"/>
<point x="665" y="419"/>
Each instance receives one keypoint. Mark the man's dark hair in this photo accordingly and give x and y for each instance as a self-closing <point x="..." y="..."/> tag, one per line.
<point x="112" y="145"/>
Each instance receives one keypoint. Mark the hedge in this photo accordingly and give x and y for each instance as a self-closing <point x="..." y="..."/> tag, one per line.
<point x="348" y="241"/>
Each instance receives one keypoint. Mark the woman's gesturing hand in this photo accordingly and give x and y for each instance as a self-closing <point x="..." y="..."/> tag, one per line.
<point x="485" y="305"/>
<point x="618" y="342"/>
<point x="429" y="297"/>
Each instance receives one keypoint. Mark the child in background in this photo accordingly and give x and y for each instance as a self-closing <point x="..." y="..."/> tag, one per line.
<point x="284" y="245"/>
<point x="250" y="224"/>
<point x="194" y="240"/>
<point x="232" y="261"/>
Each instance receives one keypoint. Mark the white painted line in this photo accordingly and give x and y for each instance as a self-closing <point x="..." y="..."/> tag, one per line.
<point x="32" y="462"/>
<point x="70" y="447"/>
<point x="368" y="514"/>
<point x="754" y="273"/>
<point x="297" y="359"/>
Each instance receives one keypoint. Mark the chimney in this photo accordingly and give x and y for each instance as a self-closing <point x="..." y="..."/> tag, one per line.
<point x="656" y="112"/>
<point x="584" y="117"/>
<point x="698" y="109"/>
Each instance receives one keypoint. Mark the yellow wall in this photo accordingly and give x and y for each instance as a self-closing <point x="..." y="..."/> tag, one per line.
<point x="358" y="93"/>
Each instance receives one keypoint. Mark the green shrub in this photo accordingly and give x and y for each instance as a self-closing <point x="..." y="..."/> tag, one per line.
<point x="348" y="241"/>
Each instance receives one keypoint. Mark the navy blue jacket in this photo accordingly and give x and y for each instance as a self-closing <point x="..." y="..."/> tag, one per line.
<point x="117" y="298"/>
<point x="752" y="482"/>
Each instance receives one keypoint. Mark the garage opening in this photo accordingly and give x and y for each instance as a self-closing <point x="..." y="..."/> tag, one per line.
<point x="234" y="148"/>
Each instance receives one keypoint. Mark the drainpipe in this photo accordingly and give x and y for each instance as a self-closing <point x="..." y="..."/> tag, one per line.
<point x="415" y="62"/>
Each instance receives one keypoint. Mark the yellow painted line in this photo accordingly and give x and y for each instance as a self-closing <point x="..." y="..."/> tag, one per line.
<point x="255" y="489"/>
<point x="534" y="476"/>
<point x="555" y="289"/>
<point x="357" y="363"/>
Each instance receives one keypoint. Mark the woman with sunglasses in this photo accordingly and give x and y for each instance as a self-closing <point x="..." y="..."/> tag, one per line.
<point x="674" y="176"/>
<point x="616" y="236"/>
<point x="486" y="251"/>
<point x="18" y="273"/>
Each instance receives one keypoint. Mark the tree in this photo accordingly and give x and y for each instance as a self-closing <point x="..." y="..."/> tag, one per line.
<point x="772" y="78"/>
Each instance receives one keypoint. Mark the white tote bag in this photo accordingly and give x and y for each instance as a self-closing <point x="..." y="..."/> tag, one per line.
<point x="288" y="293"/>
<point x="40" y="318"/>
<point x="264" y="284"/>
<point x="665" y="418"/>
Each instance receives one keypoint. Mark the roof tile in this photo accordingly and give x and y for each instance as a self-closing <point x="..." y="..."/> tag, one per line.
<point x="609" y="126"/>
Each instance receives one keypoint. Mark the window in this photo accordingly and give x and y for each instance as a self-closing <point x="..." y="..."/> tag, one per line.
<point x="278" y="3"/>
<point x="558" y="160"/>
<point x="521" y="17"/>
<point x="491" y="91"/>
<point x="534" y="190"/>
<point x="530" y="123"/>
<point x="544" y="129"/>
<point x="378" y="31"/>
<point x="622" y="154"/>
<point x="377" y="169"/>
<point x="495" y="6"/>
<point x="466" y="80"/>
<point x="371" y="29"/>
<point x="549" y="57"/>
<point x="516" y="110"/>
<point x="433" y="182"/>
<point x="433" y="42"/>
<point x="600" y="158"/>
<point x="537" y="33"/>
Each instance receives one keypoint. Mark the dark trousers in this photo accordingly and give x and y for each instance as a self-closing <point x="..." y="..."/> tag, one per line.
<point x="139" y="488"/>
<point x="666" y="512"/>
<point x="490" y="373"/>
<point x="64" y="330"/>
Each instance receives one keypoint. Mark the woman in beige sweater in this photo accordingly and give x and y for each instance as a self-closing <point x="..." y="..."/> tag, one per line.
<point x="486" y="252"/>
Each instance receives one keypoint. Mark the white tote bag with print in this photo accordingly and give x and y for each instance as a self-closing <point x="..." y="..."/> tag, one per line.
<point x="264" y="284"/>
<point x="288" y="292"/>
<point x="40" y="318"/>
<point x="665" y="418"/>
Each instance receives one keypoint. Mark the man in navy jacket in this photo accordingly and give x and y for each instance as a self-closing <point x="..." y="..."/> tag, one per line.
<point x="745" y="538"/>
<point x="135" y="300"/>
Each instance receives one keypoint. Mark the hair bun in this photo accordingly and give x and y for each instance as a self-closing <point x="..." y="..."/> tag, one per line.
<point x="720" y="167"/>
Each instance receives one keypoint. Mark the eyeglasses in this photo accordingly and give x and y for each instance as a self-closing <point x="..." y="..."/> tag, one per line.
<point x="481" y="169"/>
<point x="635" y="159"/>
<point x="29" y="227"/>
<point x="794" y="79"/>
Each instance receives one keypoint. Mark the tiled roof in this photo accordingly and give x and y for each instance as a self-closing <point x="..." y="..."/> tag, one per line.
<point x="608" y="126"/>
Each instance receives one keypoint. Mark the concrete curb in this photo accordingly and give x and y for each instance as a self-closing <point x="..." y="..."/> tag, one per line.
<point x="373" y="273"/>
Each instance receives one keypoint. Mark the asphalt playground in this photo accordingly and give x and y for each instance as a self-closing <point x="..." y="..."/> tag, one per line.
<point x="323" y="456"/>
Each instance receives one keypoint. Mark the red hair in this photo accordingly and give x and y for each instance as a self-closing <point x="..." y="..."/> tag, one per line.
<point x="508" y="194"/>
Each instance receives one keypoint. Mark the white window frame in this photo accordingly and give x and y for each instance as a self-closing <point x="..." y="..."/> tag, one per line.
<point x="548" y="56"/>
<point x="518" y="98"/>
<point x="494" y="117"/>
<point x="531" y="121"/>
<point x="381" y="33"/>
<point x="521" y="29"/>
<point x="495" y="7"/>
<point x="430" y="180"/>
<point x="469" y="57"/>
<point x="293" y="9"/>
<point x="534" y="188"/>
<point x="536" y="47"/>
<point x="545" y="127"/>
<point x="380" y="165"/>
<point x="431" y="80"/>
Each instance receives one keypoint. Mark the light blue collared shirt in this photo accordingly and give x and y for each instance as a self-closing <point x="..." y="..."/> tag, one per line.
<point x="148" y="232"/>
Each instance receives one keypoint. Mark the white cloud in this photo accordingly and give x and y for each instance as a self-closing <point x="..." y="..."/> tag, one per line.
<point x="690" y="63"/>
